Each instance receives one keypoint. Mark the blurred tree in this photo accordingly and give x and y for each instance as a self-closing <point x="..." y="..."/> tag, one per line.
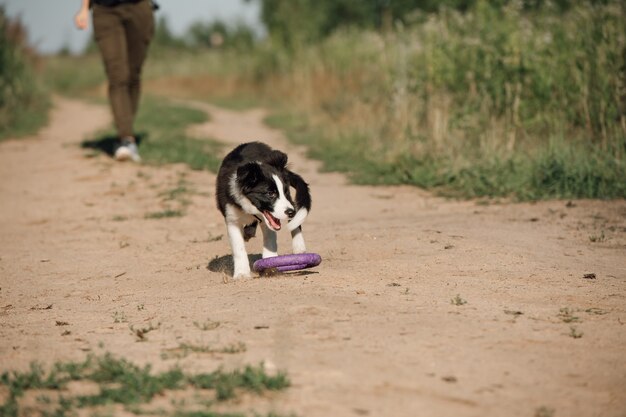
<point x="163" y="36"/>
<point x="292" y="22"/>
<point x="218" y="34"/>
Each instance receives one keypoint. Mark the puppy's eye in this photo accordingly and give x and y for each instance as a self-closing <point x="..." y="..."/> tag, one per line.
<point x="271" y="194"/>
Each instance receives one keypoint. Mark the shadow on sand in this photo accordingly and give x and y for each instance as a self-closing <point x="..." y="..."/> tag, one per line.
<point x="108" y="143"/>
<point x="226" y="265"/>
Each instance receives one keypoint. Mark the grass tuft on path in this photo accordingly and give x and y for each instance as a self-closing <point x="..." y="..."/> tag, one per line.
<point x="124" y="383"/>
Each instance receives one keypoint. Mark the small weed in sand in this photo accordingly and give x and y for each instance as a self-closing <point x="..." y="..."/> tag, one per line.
<point x="92" y="154"/>
<point x="185" y="349"/>
<point x="232" y="348"/>
<point x="544" y="412"/>
<point x="177" y="193"/>
<point x="574" y="333"/>
<point x="215" y="238"/>
<point x="119" y="218"/>
<point x="140" y="307"/>
<point x="119" y="317"/>
<point x="210" y="238"/>
<point x="514" y="313"/>
<point x="143" y="175"/>
<point x="167" y="213"/>
<point x="567" y="315"/>
<point x="122" y="382"/>
<point x="140" y="333"/>
<point x="207" y="325"/>
<point x="597" y="237"/>
<point x="596" y="311"/>
<point x="44" y="399"/>
<point x="458" y="301"/>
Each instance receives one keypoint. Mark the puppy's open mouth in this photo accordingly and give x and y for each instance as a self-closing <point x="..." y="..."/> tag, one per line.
<point x="273" y="221"/>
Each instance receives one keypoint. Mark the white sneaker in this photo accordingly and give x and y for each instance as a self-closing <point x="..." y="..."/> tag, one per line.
<point x="127" y="151"/>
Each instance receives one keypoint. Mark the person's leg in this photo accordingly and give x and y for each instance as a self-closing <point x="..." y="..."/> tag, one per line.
<point x="111" y="38"/>
<point x="139" y="28"/>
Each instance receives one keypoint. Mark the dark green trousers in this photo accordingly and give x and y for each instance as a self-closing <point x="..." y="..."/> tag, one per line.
<point x="123" y="34"/>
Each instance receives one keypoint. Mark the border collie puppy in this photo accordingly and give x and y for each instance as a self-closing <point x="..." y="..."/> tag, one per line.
<point x="253" y="186"/>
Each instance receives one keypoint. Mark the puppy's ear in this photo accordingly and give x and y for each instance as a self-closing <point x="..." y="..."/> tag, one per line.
<point x="248" y="175"/>
<point x="277" y="159"/>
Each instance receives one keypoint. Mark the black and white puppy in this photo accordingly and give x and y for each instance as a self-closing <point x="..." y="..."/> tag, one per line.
<point x="253" y="186"/>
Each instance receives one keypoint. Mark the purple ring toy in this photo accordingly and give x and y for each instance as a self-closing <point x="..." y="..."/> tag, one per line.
<point x="285" y="263"/>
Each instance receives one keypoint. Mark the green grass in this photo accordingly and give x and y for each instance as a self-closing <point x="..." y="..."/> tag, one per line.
<point x="28" y="118"/>
<point x="75" y="76"/>
<point x="167" y="141"/>
<point x="176" y="193"/>
<point x="122" y="382"/>
<point x="24" y="103"/>
<point x="165" y="214"/>
<point x="562" y="170"/>
<point x="236" y="103"/>
<point x="163" y="139"/>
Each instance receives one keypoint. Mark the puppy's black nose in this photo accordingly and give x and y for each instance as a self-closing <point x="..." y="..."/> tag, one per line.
<point x="290" y="213"/>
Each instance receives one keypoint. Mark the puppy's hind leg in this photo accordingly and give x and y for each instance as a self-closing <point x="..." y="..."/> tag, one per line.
<point x="297" y="240"/>
<point x="270" y="244"/>
<point x="238" y="246"/>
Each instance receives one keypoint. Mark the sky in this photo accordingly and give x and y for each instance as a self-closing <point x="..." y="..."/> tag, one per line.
<point x="50" y="22"/>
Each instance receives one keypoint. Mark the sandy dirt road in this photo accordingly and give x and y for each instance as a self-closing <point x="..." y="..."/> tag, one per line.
<point x="373" y="331"/>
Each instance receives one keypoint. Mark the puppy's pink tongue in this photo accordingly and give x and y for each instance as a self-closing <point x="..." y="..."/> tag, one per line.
<point x="273" y="221"/>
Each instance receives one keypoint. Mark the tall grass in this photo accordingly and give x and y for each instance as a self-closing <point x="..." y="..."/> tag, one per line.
<point x="23" y="103"/>
<point x="77" y="76"/>
<point x="494" y="101"/>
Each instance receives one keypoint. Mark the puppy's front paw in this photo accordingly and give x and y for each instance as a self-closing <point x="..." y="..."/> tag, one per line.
<point x="269" y="254"/>
<point x="242" y="275"/>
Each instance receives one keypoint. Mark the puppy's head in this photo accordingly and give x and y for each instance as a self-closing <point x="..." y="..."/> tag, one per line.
<point x="267" y="189"/>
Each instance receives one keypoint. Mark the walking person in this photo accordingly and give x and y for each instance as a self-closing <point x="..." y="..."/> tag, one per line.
<point x="123" y="30"/>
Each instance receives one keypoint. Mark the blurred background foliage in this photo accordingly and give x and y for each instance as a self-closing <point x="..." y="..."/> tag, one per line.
<point x="23" y="103"/>
<point x="523" y="99"/>
<point x="294" y="22"/>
